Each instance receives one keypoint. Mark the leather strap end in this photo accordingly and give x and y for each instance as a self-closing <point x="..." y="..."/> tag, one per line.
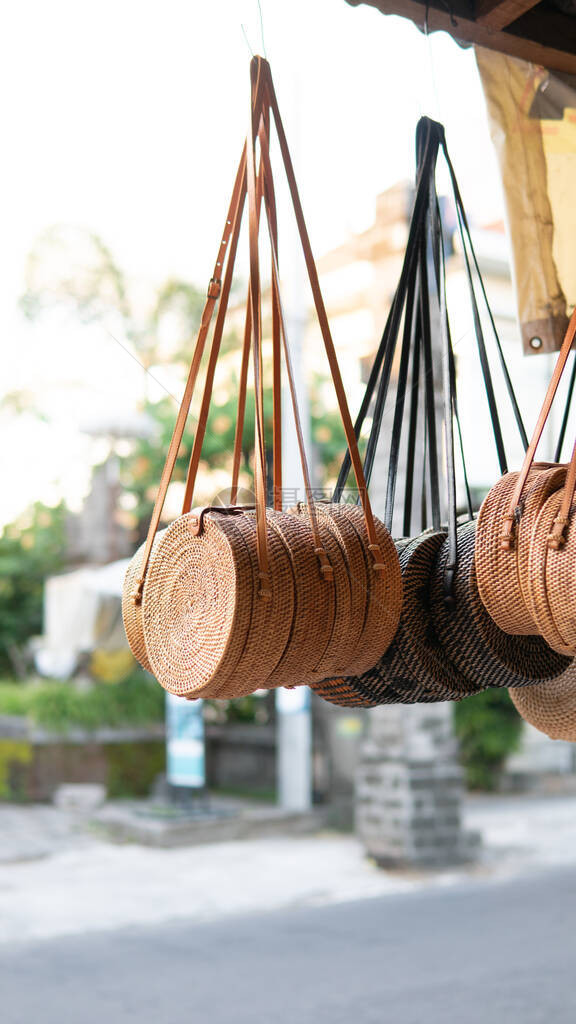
<point x="137" y="594"/>
<point x="264" y="589"/>
<point x="557" y="539"/>
<point x="325" y="567"/>
<point x="378" y="565"/>
<point x="449" y="577"/>
<point x="507" y="535"/>
<point x="195" y="524"/>
<point x="214" y="287"/>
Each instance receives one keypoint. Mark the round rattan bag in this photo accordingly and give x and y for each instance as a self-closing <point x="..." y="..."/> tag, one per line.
<point x="271" y="619"/>
<point x="131" y="609"/>
<point x="314" y="601"/>
<point x="484" y="654"/>
<point x="500" y="572"/>
<point x="550" y="707"/>
<point x="351" y="591"/>
<point x="198" y="607"/>
<point x="367" y="602"/>
<point x="414" y="669"/>
<point x="384" y="590"/>
<point x="551" y="579"/>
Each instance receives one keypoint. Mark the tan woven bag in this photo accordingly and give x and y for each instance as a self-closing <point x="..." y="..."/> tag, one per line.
<point x="362" y="635"/>
<point x="229" y="599"/>
<point x="551" y="577"/>
<point x="131" y="609"/>
<point x="501" y="575"/>
<point x="521" y="522"/>
<point x="550" y="707"/>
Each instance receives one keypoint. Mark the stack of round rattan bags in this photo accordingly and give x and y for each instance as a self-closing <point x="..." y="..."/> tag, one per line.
<point x="204" y="627"/>
<point x="229" y="599"/>
<point x="445" y="649"/>
<point x="526" y="565"/>
<point x="447" y="646"/>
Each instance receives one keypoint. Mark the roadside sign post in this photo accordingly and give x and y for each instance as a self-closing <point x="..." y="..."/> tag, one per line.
<point x="185" y="745"/>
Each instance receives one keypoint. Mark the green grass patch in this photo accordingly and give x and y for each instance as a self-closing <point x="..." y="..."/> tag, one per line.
<point x="59" y="706"/>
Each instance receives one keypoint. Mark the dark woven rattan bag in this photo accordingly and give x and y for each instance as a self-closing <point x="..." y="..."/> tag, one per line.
<point x="446" y="646"/>
<point x="484" y="654"/>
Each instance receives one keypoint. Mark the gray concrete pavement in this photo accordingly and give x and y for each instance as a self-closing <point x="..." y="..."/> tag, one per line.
<point x="499" y="952"/>
<point x="56" y="879"/>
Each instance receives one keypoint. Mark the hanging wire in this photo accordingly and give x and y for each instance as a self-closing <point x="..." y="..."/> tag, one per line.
<point x="244" y="33"/>
<point x="262" y="30"/>
<point x="432" y="69"/>
<point x="262" y="40"/>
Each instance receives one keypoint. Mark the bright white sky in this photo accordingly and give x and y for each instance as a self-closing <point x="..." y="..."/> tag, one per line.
<point x="127" y="116"/>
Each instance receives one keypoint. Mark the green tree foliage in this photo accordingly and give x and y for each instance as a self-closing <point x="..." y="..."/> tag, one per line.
<point x="30" y="549"/>
<point x="60" y="706"/>
<point x="488" y="728"/>
<point x="135" y="700"/>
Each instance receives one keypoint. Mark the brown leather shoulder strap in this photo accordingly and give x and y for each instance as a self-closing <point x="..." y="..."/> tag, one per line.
<point x="325" y="327"/>
<point x="212" y="296"/>
<point x="509" y="518"/>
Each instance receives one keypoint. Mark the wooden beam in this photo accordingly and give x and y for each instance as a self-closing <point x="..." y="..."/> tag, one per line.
<point x="468" y="31"/>
<point x="554" y="29"/>
<point x="497" y="14"/>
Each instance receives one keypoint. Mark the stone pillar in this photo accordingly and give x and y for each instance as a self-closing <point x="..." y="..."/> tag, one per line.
<point x="409" y="788"/>
<point x="409" y="781"/>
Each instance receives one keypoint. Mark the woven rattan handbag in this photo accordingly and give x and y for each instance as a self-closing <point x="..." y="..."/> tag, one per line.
<point x="446" y="647"/>
<point x="550" y="707"/>
<point x="229" y="599"/>
<point x="509" y="602"/>
<point x="526" y="544"/>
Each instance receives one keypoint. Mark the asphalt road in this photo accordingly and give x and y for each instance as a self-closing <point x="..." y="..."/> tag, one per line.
<point x="489" y="953"/>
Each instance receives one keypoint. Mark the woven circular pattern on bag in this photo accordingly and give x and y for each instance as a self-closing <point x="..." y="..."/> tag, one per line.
<point x="337" y="651"/>
<point x="417" y="667"/>
<point x="561" y="585"/>
<point x="314" y="607"/>
<point x="271" y="618"/>
<point x="550" y="707"/>
<point x="546" y="483"/>
<point x="344" y="693"/>
<point x="545" y="585"/>
<point x="356" y="566"/>
<point x="132" y="612"/>
<point x="484" y="654"/>
<point x="496" y="569"/>
<point x="197" y="605"/>
<point x="384" y="603"/>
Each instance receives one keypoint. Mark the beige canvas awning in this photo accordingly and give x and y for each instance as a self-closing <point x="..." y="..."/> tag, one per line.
<point x="532" y="115"/>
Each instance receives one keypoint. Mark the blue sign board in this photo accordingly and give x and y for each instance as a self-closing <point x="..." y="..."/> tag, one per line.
<point x="185" y="761"/>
